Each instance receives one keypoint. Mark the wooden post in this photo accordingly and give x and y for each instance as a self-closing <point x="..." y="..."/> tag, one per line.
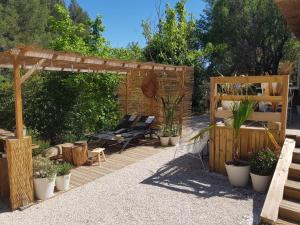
<point x="284" y="107"/>
<point x="18" y="99"/>
<point x="213" y="92"/>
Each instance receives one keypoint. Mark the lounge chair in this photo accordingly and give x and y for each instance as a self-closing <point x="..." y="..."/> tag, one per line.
<point x="137" y="131"/>
<point x="124" y="124"/>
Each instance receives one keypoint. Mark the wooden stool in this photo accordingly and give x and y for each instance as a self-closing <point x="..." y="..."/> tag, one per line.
<point x="96" y="155"/>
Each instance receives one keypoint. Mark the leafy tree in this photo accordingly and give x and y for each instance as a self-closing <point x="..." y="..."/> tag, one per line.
<point x="23" y="22"/>
<point x="170" y="43"/>
<point x="176" y="42"/>
<point x="77" y="14"/>
<point x="253" y="31"/>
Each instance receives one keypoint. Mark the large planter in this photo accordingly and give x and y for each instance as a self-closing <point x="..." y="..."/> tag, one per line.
<point x="174" y="140"/>
<point x="238" y="175"/>
<point x="298" y="109"/>
<point x="44" y="187"/>
<point x="62" y="183"/>
<point x="260" y="183"/>
<point x="164" y="141"/>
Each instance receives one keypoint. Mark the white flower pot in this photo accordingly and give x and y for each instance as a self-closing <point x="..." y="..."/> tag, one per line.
<point x="227" y="104"/>
<point x="260" y="183"/>
<point x="62" y="183"/>
<point x="238" y="175"/>
<point x="44" y="187"/>
<point x="174" y="140"/>
<point x="298" y="109"/>
<point x="164" y="141"/>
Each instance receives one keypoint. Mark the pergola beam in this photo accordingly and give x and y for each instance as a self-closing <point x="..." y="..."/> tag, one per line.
<point x="32" y="70"/>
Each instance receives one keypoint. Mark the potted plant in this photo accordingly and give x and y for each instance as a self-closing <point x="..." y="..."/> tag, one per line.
<point x="62" y="181"/>
<point x="262" y="164"/>
<point x="175" y="134"/>
<point x="170" y="105"/>
<point x="237" y="170"/>
<point x="44" y="173"/>
<point x="165" y="137"/>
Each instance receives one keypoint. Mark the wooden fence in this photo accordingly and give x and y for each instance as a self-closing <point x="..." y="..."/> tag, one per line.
<point x="133" y="100"/>
<point x="251" y="139"/>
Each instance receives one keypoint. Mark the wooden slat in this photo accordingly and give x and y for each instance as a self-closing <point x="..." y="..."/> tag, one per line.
<point x="264" y="98"/>
<point x="269" y="212"/>
<point x="249" y="79"/>
<point x="255" y="116"/>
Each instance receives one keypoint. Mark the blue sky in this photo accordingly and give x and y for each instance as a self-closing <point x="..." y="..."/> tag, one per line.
<point x="122" y="18"/>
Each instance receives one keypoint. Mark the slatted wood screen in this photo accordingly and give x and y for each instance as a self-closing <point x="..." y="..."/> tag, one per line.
<point x="19" y="161"/>
<point x="173" y="83"/>
<point x="252" y="139"/>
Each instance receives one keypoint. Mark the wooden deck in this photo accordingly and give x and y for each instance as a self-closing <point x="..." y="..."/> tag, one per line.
<point x="85" y="174"/>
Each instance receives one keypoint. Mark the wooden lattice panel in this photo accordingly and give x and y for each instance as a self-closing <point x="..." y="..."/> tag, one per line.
<point x="173" y="83"/>
<point x="19" y="158"/>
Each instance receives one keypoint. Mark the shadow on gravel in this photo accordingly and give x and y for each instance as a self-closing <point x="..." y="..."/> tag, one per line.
<point x="184" y="174"/>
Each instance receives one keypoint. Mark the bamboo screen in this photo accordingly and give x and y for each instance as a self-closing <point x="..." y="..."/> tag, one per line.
<point x="133" y="100"/>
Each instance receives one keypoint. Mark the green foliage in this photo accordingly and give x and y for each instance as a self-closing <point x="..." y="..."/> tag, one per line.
<point x="240" y="113"/>
<point x="7" y="104"/>
<point x="171" y="43"/>
<point x="253" y="31"/>
<point x="263" y="162"/>
<point x="24" y="22"/>
<point x="43" y="168"/>
<point x="176" y="41"/>
<point x="63" y="168"/>
<point x="292" y="50"/>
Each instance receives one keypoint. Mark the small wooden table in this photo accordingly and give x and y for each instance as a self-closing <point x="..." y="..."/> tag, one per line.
<point x="96" y="155"/>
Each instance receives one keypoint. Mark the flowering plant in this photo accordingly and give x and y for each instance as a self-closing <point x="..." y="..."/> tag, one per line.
<point x="263" y="162"/>
<point x="43" y="168"/>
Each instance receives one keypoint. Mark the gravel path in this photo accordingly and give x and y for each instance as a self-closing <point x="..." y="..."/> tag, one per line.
<point x="153" y="191"/>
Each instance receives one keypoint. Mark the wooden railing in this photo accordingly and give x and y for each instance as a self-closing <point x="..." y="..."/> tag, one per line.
<point x="221" y="138"/>
<point x="270" y="209"/>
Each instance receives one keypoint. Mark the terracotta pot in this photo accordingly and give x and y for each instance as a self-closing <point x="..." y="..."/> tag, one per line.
<point x="164" y="141"/>
<point x="62" y="183"/>
<point x="44" y="187"/>
<point x="174" y="140"/>
<point x="238" y="175"/>
<point x="260" y="183"/>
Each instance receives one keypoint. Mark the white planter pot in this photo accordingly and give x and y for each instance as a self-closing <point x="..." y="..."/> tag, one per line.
<point x="44" y="187"/>
<point x="238" y="175"/>
<point x="260" y="183"/>
<point x="62" y="183"/>
<point x="298" y="109"/>
<point x="174" y="140"/>
<point x="227" y="104"/>
<point x="164" y="141"/>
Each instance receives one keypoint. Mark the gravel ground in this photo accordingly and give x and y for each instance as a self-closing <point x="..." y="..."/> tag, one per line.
<point x="157" y="190"/>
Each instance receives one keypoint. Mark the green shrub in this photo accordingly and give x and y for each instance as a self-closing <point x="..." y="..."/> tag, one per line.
<point x="63" y="168"/>
<point x="43" y="168"/>
<point x="263" y="162"/>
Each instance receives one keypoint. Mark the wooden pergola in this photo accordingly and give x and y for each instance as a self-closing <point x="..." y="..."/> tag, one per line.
<point x="31" y="59"/>
<point x="290" y="10"/>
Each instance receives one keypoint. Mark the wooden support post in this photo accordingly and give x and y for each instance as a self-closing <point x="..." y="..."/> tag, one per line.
<point x="284" y="107"/>
<point x="32" y="70"/>
<point x="18" y="99"/>
<point x="213" y="93"/>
